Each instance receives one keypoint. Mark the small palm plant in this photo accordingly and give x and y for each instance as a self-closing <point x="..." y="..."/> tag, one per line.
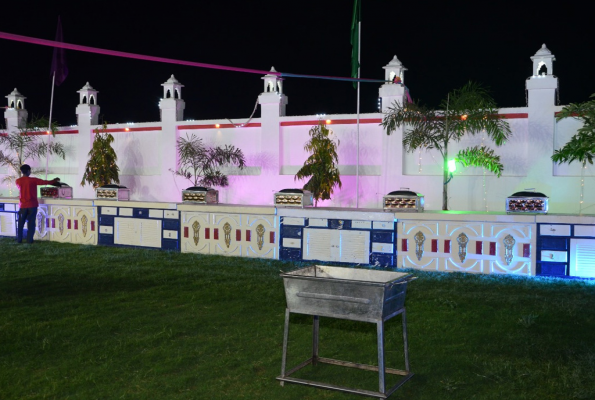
<point x="26" y="145"/>
<point x="468" y="110"/>
<point x="101" y="169"/>
<point x="201" y="165"/>
<point x="321" y="167"/>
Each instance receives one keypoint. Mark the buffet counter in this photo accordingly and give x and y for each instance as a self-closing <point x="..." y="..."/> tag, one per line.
<point x="560" y="245"/>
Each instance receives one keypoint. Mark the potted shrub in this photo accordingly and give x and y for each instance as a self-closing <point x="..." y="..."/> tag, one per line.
<point x="321" y="167"/>
<point x="101" y="170"/>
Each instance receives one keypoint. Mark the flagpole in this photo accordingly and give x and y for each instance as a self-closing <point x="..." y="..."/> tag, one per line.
<point x="47" y="153"/>
<point x="359" y="40"/>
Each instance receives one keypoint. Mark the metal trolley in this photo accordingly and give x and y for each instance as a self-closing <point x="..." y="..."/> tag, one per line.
<point x="352" y="294"/>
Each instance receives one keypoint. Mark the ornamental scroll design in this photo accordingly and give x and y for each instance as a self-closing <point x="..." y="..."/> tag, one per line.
<point x="463" y="240"/>
<point x="227" y="231"/>
<point x="40" y="225"/>
<point x="196" y="232"/>
<point x="61" y="223"/>
<point x="419" y="245"/>
<point x="84" y="221"/>
<point x="260" y="236"/>
<point x="508" y="246"/>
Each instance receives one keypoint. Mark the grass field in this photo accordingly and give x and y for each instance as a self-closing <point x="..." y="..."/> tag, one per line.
<point x="92" y="322"/>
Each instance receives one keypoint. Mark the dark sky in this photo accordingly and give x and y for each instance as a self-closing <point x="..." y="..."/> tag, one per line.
<point x="443" y="45"/>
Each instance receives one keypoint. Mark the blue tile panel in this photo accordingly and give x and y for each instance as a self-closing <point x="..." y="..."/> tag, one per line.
<point x="376" y="236"/>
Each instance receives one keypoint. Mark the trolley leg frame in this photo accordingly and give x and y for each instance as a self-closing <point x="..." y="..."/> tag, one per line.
<point x="382" y="370"/>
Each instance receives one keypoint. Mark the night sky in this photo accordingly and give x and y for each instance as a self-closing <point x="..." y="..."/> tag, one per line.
<point x="443" y="45"/>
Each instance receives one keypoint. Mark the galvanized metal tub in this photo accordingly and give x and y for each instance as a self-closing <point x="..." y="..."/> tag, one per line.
<point x="346" y="293"/>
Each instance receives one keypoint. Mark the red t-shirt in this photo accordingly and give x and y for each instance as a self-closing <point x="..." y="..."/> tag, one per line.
<point x="28" y="191"/>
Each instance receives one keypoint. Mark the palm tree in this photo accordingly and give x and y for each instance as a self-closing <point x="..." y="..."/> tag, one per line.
<point x="468" y="110"/>
<point x="321" y="166"/>
<point x="27" y="145"/>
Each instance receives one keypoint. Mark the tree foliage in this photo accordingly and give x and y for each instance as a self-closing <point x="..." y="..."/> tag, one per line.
<point x="27" y="145"/>
<point x="321" y="167"/>
<point x="101" y="169"/>
<point x="479" y="156"/>
<point x="466" y="111"/>
<point x="201" y="165"/>
<point x="581" y="146"/>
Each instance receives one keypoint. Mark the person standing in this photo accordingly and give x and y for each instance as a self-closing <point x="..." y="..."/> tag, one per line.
<point x="28" y="201"/>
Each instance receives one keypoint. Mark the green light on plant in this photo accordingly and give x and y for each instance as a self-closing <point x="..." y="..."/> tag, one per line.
<point x="452" y="166"/>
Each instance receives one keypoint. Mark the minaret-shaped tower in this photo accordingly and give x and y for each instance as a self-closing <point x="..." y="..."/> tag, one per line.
<point x="541" y="125"/>
<point x="87" y="113"/>
<point x="87" y="110"/>
<point x="272" y="98"/>
<point x="15" y="114"/>
<point x="394" y="89"/>
<point x="172" y="105"/>
<point x="542" y="84"/>
<point x="272" y="107"/>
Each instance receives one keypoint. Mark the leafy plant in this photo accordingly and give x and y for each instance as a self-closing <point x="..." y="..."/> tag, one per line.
<point x="27" y="145"/>
<point x="101" y="169"/>
<point x="581" y="146"/>
<point x="321" y="166"/>
<point x="201" y="164"/>
<point x="468" y="110"/>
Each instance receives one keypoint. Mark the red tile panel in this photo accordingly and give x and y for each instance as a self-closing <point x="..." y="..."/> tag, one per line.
<point x="447" y="246"/>
<point x="526" y="250"/>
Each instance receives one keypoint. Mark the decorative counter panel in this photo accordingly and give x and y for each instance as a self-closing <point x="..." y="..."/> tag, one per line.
<point x="467" y="243"/>
<point x="566" y="245"/>
<point x="356" y="236"/>
<point x="229" y="230"/>
<point x="139" y="224"/>
<point x="68" y="221"/>
<point x="8" y="216"/>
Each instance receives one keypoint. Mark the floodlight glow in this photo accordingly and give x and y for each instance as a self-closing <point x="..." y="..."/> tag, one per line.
<point x="452" y="166"/>
<point x="217" y="125"/>
<point x="328" y="121"/>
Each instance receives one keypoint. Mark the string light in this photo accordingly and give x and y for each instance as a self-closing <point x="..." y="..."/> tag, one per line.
<point x="485" y="189"/>
<point x="419" y="163"/>
<point x="580" y="206"/>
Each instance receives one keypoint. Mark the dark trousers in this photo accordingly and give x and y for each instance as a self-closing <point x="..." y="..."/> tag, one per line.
<point x="29" y="215"/>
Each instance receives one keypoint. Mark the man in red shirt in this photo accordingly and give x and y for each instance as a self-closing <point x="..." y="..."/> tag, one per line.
<point x="28" y="201"/>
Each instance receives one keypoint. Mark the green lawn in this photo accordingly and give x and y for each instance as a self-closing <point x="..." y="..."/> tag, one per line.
<point x="91" y="322"/>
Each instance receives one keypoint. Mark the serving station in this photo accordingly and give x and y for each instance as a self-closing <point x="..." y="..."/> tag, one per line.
<point x="519" y="243"/>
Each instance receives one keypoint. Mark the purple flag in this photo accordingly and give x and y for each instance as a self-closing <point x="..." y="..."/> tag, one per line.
<point x="59" y="67"/>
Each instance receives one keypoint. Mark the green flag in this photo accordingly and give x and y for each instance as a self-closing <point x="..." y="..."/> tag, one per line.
<point x="357" y="8"/>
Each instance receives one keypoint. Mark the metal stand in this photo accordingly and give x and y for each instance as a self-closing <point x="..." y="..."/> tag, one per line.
<point x="382" y="393"/>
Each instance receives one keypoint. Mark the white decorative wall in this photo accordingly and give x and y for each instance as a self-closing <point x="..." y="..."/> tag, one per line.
<point x="273" y="146"/>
